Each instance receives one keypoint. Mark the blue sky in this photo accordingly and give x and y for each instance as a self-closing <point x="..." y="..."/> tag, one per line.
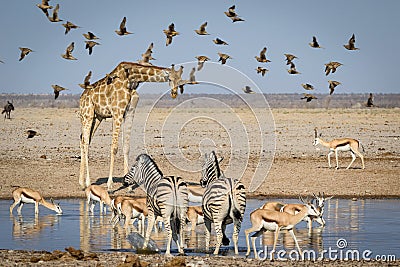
<point x="281" y="26"/>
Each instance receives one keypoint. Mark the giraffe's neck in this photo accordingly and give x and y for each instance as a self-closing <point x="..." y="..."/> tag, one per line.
<point x="145" y="73"/>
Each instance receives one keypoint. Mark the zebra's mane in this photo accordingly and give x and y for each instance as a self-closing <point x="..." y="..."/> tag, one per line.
<point x="149" y="161"/>
<point x="216" y="164"/>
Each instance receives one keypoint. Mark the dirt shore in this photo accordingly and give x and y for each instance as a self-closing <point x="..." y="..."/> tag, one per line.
<point x="50" y="162"/>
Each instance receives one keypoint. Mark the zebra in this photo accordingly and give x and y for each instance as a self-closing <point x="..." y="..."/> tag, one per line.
<point x="224" y="202"/>
<point x="7" y="110"/>
<point x="167" y="196"/>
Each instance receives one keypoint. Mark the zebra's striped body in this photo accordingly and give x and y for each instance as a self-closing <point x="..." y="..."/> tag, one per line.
<point x="167" y="196"/>
<point x="224" y="202"/>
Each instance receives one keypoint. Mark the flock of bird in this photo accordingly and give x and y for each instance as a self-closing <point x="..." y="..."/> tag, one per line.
<point x="170" y="32"/>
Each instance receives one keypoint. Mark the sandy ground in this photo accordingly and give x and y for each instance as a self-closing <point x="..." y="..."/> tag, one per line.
<point x="177" y="138"/>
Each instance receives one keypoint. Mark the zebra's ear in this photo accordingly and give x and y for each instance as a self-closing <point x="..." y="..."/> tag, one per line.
<point x="220" y="159"/>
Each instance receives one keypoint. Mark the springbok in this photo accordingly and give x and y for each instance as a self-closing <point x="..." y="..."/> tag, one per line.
<point x="95" y="193"/>
<point x="132" y="209"/>
<point x="270" y="220"/>
<point x="320" y="201"/>
<point x="22" y="195"/>
<point x="195" y="216"/>
<point x="293" y="208"/>
<point x="342" y="144"/>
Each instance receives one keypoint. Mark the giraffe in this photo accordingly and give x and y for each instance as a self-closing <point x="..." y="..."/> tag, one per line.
<point x="115" y="96"/>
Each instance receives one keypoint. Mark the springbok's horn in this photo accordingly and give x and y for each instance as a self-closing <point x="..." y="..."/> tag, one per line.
<point x="315" y="132"/>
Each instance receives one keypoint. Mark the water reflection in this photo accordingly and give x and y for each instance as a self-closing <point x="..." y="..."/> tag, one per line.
<point x="356" y="221"/>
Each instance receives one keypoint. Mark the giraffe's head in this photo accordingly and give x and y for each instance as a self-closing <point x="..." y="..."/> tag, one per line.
<point x="175" y="80"/>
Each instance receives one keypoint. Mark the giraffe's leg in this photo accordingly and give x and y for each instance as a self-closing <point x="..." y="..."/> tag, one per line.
<point x="126" y="133"/>
<point x="87" y="122"/>
<point x="117" y="121"/>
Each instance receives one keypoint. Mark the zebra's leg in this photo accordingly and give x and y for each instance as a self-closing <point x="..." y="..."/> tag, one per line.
<point x="225" y="239"/>
<point x="182" y="230"/>
<point x="167" y="225"/>
<point x="218" y="230"/>
<point x="207" y="223"/>
<point x="235" y="237"/>
<point x="150" y="224"/>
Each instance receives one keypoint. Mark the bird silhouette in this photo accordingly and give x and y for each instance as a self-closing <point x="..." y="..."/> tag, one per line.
<point x="308" y="97"/>
<point x="236" y="19"/>
<point x="202" y="29"/>
<point x="307" y="86"/>
<point x="262" y="58"/>
<point x="86" y="81"/>
<point x="351" y="43"/>
<point x="170" y="32"/>
<point x="68" y="26"/>
<point x="146" y="56"/>
<point x="248" y="90"/>
<point x="32" y="133"/>
<point x="1" y="61"/>
<point x="57" y="90"/>
<point x="90" y="45"/>
<point x="90" y="36"/>
<point x="331" y="67"/>
<point x="261" y="70"/>
<point x="332" y="85"/>
<point x="292" y="69"/>
<point x="223" y="57"/>
<point x="200" y="61"/>
<point x="289" y="58"/>
<point x="231" y="12"/>
<point x="24" y="52"/>
<point x="218" y="41"/>
<point x="54" y="17"/>
<point x="314" y="43"/>
<point x="44" y="6"/>
<point x="122" y="28"/>
<point x="68" y="52"/>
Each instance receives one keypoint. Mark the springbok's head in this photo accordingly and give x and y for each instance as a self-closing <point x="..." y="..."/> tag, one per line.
<point x="311" y="209"/>
<point x="320" y="199"/>
<point x="316" y="137"/>
<point x="57" y="207"/>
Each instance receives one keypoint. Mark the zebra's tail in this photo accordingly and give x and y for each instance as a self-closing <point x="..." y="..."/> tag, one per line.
<point x="238" y="198"/>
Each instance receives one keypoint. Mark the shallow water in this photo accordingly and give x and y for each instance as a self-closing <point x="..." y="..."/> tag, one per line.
<point x="364" y="225"/>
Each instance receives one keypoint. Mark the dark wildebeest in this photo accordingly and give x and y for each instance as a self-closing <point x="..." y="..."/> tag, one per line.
<point x="7" y="110"/>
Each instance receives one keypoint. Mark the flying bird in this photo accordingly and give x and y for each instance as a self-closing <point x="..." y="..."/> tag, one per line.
<point x="236" y="19"/>
<point x="90" y="36"/>
<point x="24" y="52"/>
<point x="308" y="97"/>
<point x="170" y="32"/>
<point x="331" y="67"/>
<point x="314" y="43"/>
<point x="351" y="44"/>
<point x="68" y="52"/>
<point x="261" y="70"/>
<point x="223" y="57"/>
<point x="307" y="86"/>
<point x="231" y="12"/>
<point x="332" y="85"/>
<point x="292" y="69"/>
<point x="86" y="81"/>
<point x="68" y="26"/>
<point x="122" y="28"/>
<point x="32" y="133"/>
<point x="200" y="61"/>
<point x="219" y="42"/>
<point x="202" y="29"/>
<point x="262" y="58"/>
<point x="289" y="58"/>
<point x="90" y="45"/>
<point x="248" y="90"/>
<point x="44" y="6"/>
<point x="57" y="90"/>
<point x="146" y="56"/>
<point x="54" y="17"/>
<point x="1" y="61"/>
